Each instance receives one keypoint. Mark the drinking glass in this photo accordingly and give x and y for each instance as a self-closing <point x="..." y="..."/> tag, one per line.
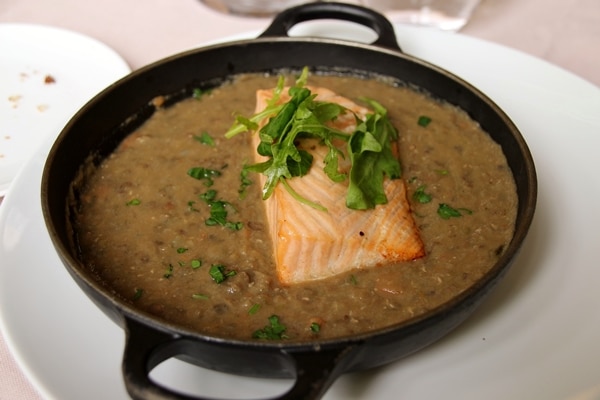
<point x="450" y="15"/>
<point x="252" y="8"/>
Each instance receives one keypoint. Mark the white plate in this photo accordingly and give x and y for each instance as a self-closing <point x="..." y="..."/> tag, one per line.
<point x="32" y="108"/>
<point x="535" y="338"/>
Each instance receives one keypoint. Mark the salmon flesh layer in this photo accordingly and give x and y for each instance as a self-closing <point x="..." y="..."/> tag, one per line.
<point x="310" y="244"/>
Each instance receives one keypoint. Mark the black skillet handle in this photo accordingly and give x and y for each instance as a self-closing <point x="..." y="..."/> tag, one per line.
<point x="146" y="347"/>
<point x="284" y="21"/>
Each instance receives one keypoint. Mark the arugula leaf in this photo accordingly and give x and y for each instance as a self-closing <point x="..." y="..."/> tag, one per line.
<point x="243" y="124"/>
<point x="277" y="126"/>
<point x="369" y="147"/>
<point x="372" y="159"/>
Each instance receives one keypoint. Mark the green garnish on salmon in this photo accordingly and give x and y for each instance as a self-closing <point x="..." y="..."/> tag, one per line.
<point x="369" y="147"/>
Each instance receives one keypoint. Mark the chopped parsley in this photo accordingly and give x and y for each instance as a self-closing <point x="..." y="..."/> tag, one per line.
<point x="138" y="294"/>
<point x="446" y="212"/>
<point x="198" y="93"/>
<point x="254" y="309"/>
<point x="218" y="216"/>
<point x="218" y="211"/>
<point x="315" y="328"/>
<point x="205" y="138"/>
<point x="169" y="272"/>
<point x="181" y="250"/>
<point x="423" y="121"/>
<point x="209" y="195"/>
<point x="244" y="183"/>
<point x="206" y="174"/>
<point x="196" y="263"/>
<point x="133" y="202"/>
<point x="219" y="274"/>
<point x="199" y="296"/>
<point x="274" y="331"/>
<point x="421" y="196"/>
<point x="191" y="206"/>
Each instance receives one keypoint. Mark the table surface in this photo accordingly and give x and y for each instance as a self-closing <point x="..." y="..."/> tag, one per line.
<point x="565" y="33"/>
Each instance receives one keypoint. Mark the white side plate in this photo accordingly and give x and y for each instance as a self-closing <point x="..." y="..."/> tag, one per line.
<point x="46" y="75"/>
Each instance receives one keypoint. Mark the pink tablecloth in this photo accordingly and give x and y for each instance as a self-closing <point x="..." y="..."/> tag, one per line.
<point x="565" y="33"/>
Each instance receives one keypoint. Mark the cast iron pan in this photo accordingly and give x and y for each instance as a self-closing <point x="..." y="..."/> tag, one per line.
<point x="98" y="127"/>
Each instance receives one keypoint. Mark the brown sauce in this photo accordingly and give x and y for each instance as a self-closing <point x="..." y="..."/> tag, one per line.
<point x="148" y="253"/>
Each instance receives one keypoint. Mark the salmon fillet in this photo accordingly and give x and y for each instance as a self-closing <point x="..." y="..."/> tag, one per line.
<point x="310" y="244"/>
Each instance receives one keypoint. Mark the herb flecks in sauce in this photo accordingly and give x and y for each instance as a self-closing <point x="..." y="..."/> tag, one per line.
<point x="138" y="294"/>
<point x="274" y="331"/>
<point x="424" y="121"/>
<point x="205" y="139"/>
<point x="244" y="183"/>
<point x="133" y="202"/>
<point x="218" y="211"/>
<point x="218" y="216"/>
<point x="446" y="212"/>
<point x="205" y="174"/>
<point x="315" y="327"/>
<point x="421" y="196"/>
<point x="169" y="273"/>
<point x="254" y="309"/>
<point x="191" y="207"/>
<point x="219" y="273"/>
<point x="198" y="93"/>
